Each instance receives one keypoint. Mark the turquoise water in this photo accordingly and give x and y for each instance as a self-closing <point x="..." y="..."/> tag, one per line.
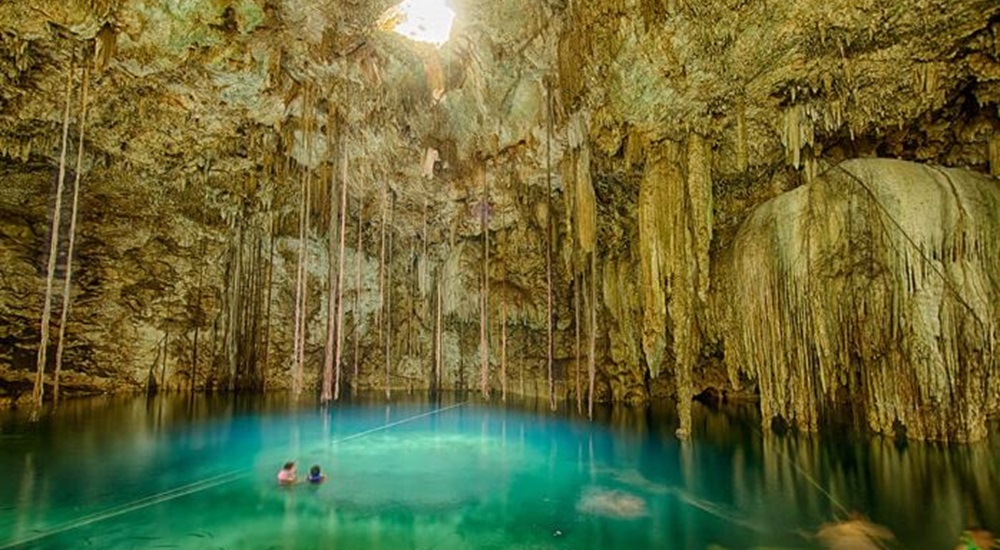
<point x="199" y="472"/>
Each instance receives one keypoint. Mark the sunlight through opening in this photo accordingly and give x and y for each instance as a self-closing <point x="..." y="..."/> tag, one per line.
<point x="422" y="20"/>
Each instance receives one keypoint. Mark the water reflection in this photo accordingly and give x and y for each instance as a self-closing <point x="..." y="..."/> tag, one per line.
<point x="784" y="488"/>
<point x="198" y="472"/>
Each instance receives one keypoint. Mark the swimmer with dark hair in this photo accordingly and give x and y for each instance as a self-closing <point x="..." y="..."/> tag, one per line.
<point x="287" y="474"/>
<point x="315" y="475"/>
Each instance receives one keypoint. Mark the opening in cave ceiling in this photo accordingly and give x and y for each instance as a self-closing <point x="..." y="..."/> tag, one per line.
<point x="421" y="20"/>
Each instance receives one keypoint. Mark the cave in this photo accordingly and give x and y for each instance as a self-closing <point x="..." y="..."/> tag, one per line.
<point x="789" y="208"/>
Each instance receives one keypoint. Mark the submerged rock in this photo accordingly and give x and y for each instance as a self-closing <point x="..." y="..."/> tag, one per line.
<point x="612" y="503"/>
<point x="854" y="534"/>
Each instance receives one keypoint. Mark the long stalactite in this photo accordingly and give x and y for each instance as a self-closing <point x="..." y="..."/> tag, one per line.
<point x="388" y="299"/>
<point x="662" y="167"/>
<point x="438" y="355"/>
<point x="38" y="391"/>
<point x="673" y="248"/>
<point x="68" y="270"/>
<point x="302" y="271"/>
<point x="484" y="301"/>
<point x="549" y="238"/>
<point x="592" y="351"/>
<point x="327" y="391"/>
<point x="340" y="270"/>
<point x="357" y="302"/>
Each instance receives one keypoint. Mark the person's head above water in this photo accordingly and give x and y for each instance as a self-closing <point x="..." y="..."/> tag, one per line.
<point x="287" y="473"/>
<point x="315" y="475"/>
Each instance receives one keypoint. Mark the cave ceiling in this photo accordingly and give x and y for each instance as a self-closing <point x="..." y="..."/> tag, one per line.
<point x="215" y="93"/>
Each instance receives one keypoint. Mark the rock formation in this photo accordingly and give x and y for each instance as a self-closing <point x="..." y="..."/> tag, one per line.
<point x="721" y="215"/>
<point x="872" y="287"/>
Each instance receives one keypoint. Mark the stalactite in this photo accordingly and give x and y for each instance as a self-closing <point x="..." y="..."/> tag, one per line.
<point x="357" y="303"/>
<point x="424" y="284"/>
<point x="269" y="285"/>
<point x="244" y="307"/>
<point x="256" y="314"/>
<point x="242" y="369"/>
<point x="423" y="275"/>
<point x="327" y="392"/>
<point x="163" y="362"/>
<point x="233" y="274"/>
<point x="576" y="352"/>
<point x="301" y="273"/>
<point x="437" y="339"/>
<point x="929" y="79"/>
<point x="150" y="387"/>
<point x="503" y="348"/>
<point x="550" y="348"/>
<point x="791" y="137"/>
<point x="212" y="374"/>
<point x="520" y="372"/>
<point x="592" y="352"/>
<point x="673" y="248"/>
<point x="742" y="156"/>
<point x="193" y="375"/>
<point x="246" y="373"/>
<point x="699" y="191"/>
<point x="68" y="276"/>
<point x="568" y="167"/>
<point x="340" y="268"/>
<point x="662" y="168"/>
<point x="380" y="311"/>
<point x="994" y="151"/>
<point x="503" y="309"/>
<point x="585" y="204"/>
<point x="684" y="345"/>
<point x="691" y="235"/>
<point x="484" y="350"/>
<point x="388" y="305"/>
<point x="38" y="391"/>
<point x="413" y="268"/>
<point x="304" y="319"/>
<point x="798" y="132"/>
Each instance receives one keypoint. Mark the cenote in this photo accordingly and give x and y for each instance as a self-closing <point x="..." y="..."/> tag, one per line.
<point x="457" y="472"/>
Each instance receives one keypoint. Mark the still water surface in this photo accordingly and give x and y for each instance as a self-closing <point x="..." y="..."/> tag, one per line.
<point x="199" y="472"/>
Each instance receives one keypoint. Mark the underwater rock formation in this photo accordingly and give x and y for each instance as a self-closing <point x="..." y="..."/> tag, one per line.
<point x="612" y="503"/>
<point x="855" y="533"/>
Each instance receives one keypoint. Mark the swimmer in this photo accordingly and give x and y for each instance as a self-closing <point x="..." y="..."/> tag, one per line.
<point x="315" y="475"/>
<point x="287" y="474"/>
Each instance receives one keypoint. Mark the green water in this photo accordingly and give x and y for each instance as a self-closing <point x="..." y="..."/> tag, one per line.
<point x="199" y="472"/>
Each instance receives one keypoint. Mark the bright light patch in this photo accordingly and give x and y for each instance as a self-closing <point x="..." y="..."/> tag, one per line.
<point x="423" y="20"/>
